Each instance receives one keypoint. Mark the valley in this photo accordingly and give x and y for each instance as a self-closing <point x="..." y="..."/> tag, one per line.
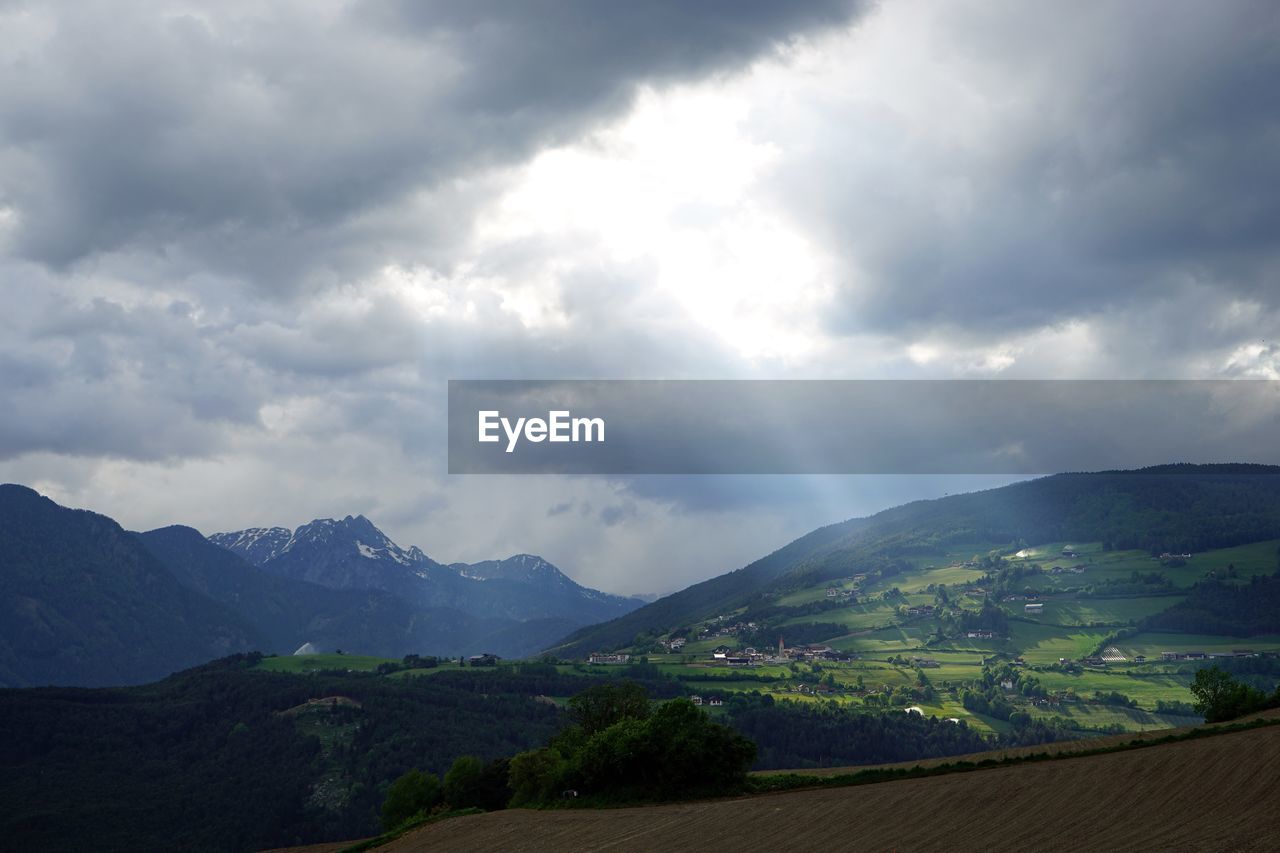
<point x="1086" y="661"/>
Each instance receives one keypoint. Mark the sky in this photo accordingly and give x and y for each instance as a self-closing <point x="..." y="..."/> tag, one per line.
<point x="243" y="246"/>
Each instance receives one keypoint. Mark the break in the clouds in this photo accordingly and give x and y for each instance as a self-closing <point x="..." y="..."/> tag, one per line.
<point x="242" y="246"/>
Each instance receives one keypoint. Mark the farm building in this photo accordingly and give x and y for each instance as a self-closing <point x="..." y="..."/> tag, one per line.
<point x="598" y="657"/>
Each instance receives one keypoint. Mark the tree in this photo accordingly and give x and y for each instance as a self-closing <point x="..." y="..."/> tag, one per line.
<point x="1220" y="697"/>
<point x="413" y="793"/>
<point x="492" y="790"/>
<point x="537" y="776"/>
<point x="676" y="752"/>
<point x="597" y="708"/>
<point x="462" y="782"/>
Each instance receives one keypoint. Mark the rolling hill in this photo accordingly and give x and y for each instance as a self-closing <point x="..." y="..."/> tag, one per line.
<point x="1173" y="508"/>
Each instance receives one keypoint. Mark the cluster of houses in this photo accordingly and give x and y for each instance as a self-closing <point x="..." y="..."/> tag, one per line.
<point x="1112" y="655"/>
<point x="745" y="657"/>
<point x="721" y="628"/>
<point x="837" y="592"/>
<point x="980" y="635"/>
<point x="753" y="657"/>
<point x="815" y="689"/>
<point x="713" y="701"/>
<point x="1171" y="556"/>
<point x="485" y="659"/>
<point x="1234" y="653"/>
<point x="922" y="610"/>
<point x="675" y="644"/>
<point x="1078" y="569"/>
<point x="812" y="652"/>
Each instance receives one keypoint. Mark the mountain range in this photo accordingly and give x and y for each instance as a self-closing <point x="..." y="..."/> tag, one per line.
<point x="85" y="602"/>
<point x="353" y="554"/>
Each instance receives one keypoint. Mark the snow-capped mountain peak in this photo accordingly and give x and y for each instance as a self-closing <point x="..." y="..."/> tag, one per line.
<point x="351" y="553"/>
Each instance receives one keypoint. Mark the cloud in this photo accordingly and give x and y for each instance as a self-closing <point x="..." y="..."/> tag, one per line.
<point x="981" y="165"/>
<point x="271" y="144"/>
<point x="243" y="247"/>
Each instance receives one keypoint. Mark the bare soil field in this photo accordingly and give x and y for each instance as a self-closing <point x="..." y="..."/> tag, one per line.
<point x="1217" y="793"/>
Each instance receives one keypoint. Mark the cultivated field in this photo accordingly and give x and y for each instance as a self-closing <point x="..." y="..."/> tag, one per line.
<point x="1215" y="793"/>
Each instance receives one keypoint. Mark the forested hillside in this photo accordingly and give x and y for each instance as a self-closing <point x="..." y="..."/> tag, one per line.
<point x="83" y="602"/>
<point x="1167" y="508"/>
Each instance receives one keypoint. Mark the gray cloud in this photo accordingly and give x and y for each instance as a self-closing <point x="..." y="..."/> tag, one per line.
<point x="199" y="203"/>
<point x="1076" y="164"/>
<point x="269" y="143"/>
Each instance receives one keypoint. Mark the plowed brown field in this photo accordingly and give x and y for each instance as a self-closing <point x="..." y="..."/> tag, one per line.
<point x="1217" y="793"/>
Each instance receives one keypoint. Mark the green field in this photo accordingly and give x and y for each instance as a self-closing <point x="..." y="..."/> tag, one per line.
<point x="317" y="663"/>
<point x="1144" y="688"/>
<point x="949" y="575"/>
<point x="858" y="616"/>
<point x="1095" y="611"/>
<point x="1102" y="716"/>
<point x="885" y="641"/>
<point x="1152" y="643"/>
<point x="1045" y="644"/>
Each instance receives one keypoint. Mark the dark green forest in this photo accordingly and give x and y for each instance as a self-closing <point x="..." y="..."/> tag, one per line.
<point x="1233" y="610"/>
<point x="205" y="760"/>
<point x="229" y="757"/>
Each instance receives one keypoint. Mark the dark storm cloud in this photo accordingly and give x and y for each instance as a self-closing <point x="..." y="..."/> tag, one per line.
<point x="546" y="58"/>
<point x="239" y="161"/>
<point x="265" y="140"/>
<point x="1119" y="153"/>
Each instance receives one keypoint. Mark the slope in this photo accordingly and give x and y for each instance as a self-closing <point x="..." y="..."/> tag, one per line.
<point x="83" y="602"/>
<point x="1136" y="800"/>
<point x="1173" y="507"/>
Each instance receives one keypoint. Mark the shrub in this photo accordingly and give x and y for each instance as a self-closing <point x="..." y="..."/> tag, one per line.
<point x="412" y="794"/>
